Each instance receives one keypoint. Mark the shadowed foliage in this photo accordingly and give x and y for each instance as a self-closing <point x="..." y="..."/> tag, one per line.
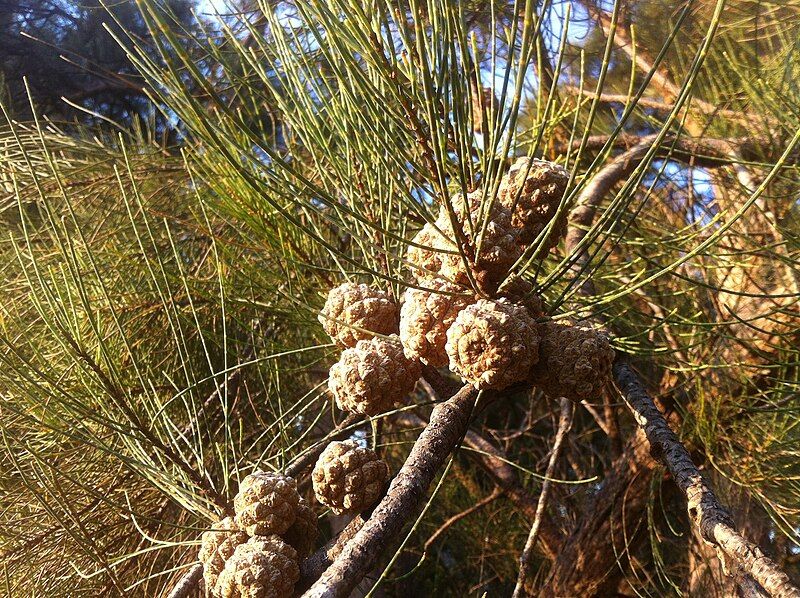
<point x="158" y="315"/>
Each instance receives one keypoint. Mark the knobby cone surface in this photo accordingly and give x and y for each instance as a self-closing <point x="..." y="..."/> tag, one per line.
<point x="493" y="344"/>
<point x="349" y="478"/>
<point x="355" y="312"/>
<point x="267" y="503"/>
<point x="373" y="377"/>
<point x="263" y="567"/>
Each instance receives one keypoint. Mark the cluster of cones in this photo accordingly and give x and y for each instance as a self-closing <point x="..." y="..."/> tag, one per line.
<point x="460" y="313"/>
<point x="257" y="552"/>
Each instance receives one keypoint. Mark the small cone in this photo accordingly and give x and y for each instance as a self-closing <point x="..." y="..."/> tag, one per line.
<point x="533" y="199"/>
<point x="426" y="261"/>
<point x="373" y="377"/>
<point x="302" y="536"/>
<point x="521" y="292"/>
<point x="267" y="503"/>
<point x="493" y="344"/>
<point x="425" y="317"/>
<point x="217" y="546"/>
<point x="262" y="567"/>
<point x="349" y="478"/>
<point x="492" y="237"/>
<point x="575" y="362"/>
<point x="355" y="312"/>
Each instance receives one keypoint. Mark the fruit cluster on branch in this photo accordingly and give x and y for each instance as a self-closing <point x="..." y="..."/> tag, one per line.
<point x="463" y="312"/>
<point x="257" y="552"/>
<point x="488" y="327"/>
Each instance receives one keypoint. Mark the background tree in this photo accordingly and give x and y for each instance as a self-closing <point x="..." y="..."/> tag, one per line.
<point x="65" y="52"/>
<point x="159" y="326"/>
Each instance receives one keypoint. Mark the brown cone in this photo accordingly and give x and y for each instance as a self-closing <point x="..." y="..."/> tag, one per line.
<point x="425" y="317"/>
<point x="575" y="361"/>
<point x="302" y="536"/>
<point x="493" y="344"/>
<point x="495" y="241"/>
<point x="217" y="546"/>
<point x="521" y="292"/>
<point x="348" y="478"/>
<point x="534" y="199"/>
<point x="263" y="567"/>
<point x="426" y="261"/>
<point x="267" y="503"/>
<point x="354" y="312"/>
<point x="373" y="376"/>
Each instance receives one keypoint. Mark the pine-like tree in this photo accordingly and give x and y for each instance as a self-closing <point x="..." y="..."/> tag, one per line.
<point x="159" y="331"/>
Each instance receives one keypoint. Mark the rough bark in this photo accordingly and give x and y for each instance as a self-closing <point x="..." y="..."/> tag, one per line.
<point x="707" y="574"/>
<point x="188" y="583"/>
<point x="716" y="526"/>
<point x="315" y="565"/>
<point x="446" y="428"/>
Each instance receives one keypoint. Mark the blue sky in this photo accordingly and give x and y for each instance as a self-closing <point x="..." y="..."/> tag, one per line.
<point x="209" y="6"/>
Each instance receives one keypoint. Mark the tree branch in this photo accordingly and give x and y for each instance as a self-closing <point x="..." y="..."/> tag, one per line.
<point x="713" y="520"/>
<point x="447" y="426"/>
<point x="188" y="583"/>
<point x="645" y="102"/>
<point x="314" y="566"/>
<point x="582" y="216"/>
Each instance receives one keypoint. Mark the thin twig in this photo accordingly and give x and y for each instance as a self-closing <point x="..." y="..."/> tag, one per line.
<point x="496" y="493"/>
<point x="308" y="458"/>
<point x="564" y="425"/>
<point x="314" y="566"/>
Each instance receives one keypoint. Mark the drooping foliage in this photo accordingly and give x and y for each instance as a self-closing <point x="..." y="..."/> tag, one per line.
<point x="158" y="320"/>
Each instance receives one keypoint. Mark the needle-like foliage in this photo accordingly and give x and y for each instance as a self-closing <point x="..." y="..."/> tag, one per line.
<point x="158" y="330"/>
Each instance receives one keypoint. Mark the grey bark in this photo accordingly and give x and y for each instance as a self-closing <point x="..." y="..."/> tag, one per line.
<point x="188" y="583"/>
<point x="716" y="526"/>
<point x="314" y="566"/>
<point x="447" y="426"/>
